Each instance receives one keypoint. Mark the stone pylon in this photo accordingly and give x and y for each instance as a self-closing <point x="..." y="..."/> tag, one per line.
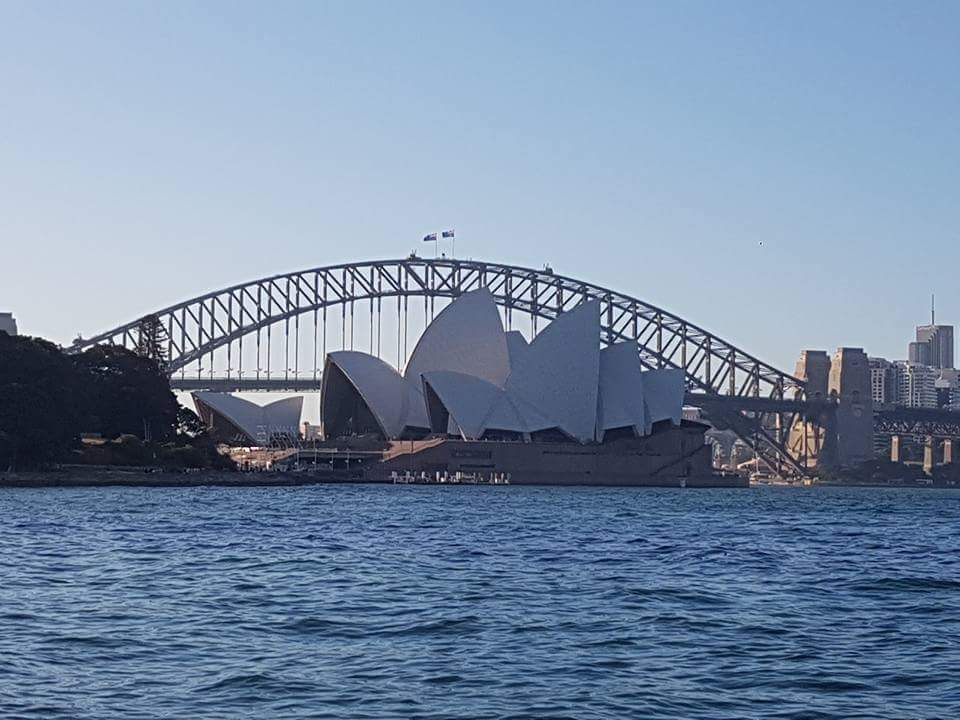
<point x="850" y="386"/>
<point x="808" y="435"/>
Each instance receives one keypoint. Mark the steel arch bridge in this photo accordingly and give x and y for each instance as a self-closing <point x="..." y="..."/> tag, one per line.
<point x="295" y="309"/>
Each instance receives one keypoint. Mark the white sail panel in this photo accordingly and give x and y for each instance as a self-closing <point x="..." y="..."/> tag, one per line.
<point x="559" y="373"/>
<point x="466" y="337"/>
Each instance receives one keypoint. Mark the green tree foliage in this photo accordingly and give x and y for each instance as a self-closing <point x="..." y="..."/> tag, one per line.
<point x="126" y="394"/>
<point x="40" y="406"/>
<point x="189" y="425"/>
<point x="195" y="447"/>
<point x="47" y="399"/>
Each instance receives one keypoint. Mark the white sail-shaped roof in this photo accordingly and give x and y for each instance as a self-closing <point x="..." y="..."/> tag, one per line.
<point x="621" y="390"/>
<point x="395" y="403"/>
<point x="466" y="337"/>
<point x="475" y="406"/>
<point x="285" y="414"/>
<point x="468" y="377"/>
<point x="559" y="373"/>
<point x="663" y="392"/>
<point x="517" y="346"/>
<point x="258" y="422"/>
<point x="517" y="415"/>
<point x="467" y="399"/>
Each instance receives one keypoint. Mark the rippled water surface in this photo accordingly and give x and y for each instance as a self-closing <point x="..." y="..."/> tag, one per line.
<point x="479" y="602"/>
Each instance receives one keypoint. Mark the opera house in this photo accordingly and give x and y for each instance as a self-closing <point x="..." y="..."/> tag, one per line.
<point x="237" y="421"/>
<point x="476" y="399"/>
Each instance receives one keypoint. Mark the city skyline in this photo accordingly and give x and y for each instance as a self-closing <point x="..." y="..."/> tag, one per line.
<point x="783" y="164"/>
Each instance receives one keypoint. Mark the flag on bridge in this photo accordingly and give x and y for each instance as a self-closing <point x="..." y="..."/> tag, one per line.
<point x="447" y="234"/>
<point x="432" y="237"/>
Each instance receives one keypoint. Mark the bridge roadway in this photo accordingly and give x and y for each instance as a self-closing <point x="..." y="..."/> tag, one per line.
<point x="692" y="399"/>
<point x="927" y="422"/>
<point x="225" y="384"/>
<point x="887" y="420"/>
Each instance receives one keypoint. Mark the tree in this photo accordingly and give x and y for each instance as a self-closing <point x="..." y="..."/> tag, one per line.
<point x="189" y="425"/>
<point x="40" y="415"/>
<point x="195" y="446"/>
<point x="126" y="394"/>
<point x="48" y="398"/>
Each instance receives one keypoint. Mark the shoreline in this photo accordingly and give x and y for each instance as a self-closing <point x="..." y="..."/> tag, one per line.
<point x="139" y="477"/>
<point x="153" y="477"/>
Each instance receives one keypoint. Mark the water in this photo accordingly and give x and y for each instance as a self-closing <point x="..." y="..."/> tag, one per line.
<point x="479" y="602"/>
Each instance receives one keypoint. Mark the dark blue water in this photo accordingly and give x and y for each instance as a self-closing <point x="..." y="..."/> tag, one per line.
<point x="473" y="602"/>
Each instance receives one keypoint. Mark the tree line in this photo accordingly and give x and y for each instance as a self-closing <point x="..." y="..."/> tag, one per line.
<point x="48" y="399"/>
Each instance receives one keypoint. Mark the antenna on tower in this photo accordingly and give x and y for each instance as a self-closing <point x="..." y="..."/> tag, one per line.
<point x="933" y="309"/>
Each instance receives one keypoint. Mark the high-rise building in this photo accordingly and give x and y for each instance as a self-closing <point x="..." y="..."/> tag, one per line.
<point x="934" y="344"/>
<point x="916" y="385"/>
<point x="883" y="381"/>
<point x="918" y="352"/>
<point x="7" y="323"/>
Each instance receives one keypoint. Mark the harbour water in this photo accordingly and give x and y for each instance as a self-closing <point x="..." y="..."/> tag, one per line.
<point x="479" y="602"/>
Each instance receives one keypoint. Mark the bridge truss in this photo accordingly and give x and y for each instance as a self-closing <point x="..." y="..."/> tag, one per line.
<point x="294" y="319"/>
<point x="917" y="422"/>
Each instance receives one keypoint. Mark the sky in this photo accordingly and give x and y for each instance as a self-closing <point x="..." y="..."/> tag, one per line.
<point x="785" y="176"/>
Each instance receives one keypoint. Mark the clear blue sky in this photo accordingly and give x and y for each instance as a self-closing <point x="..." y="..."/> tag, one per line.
<point x="153" y="151"/>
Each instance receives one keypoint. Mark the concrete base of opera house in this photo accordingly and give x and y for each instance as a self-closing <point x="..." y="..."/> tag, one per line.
<point x="670" y="457"/>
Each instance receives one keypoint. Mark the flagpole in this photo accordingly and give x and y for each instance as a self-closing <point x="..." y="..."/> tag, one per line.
<point x="452" y="235"/>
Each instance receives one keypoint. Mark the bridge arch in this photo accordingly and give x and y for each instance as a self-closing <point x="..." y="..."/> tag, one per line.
<point x="185" y="334"/>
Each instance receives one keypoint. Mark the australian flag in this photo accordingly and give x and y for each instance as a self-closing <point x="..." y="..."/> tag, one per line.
<point x="432" y="237"/>
<point x="447" y="234"/>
